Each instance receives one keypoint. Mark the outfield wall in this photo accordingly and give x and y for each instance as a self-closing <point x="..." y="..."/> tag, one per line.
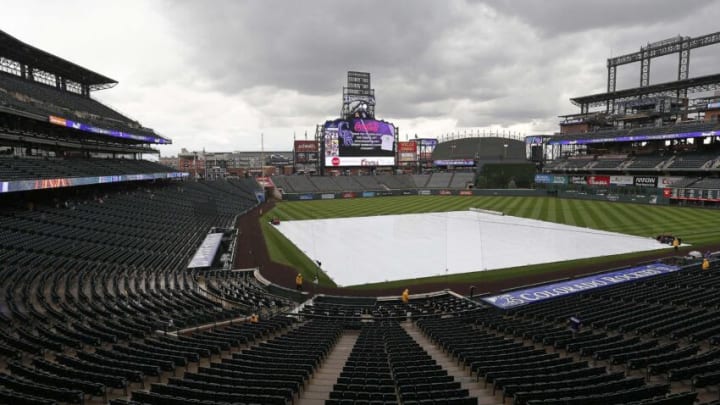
<point x="628" y="198"/>
<point x="391" y="193"/>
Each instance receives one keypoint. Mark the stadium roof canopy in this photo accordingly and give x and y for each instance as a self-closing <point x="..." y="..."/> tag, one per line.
<point x="695" y="84"/>
<point x="16" y="50"/>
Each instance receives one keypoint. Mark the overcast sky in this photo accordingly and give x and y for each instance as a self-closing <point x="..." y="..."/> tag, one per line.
<point x="216" y="74"/>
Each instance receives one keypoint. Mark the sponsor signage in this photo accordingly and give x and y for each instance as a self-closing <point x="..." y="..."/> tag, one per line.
<point x="306" y="196"/>
<point x="407" y="146"/>
<point x="445" y="192"/>
<point x="454" y="162"/>
<point x="367" y="194"/>
<point x="635" y="138"/>
<point x="306" y="152"/>
<point x="645" y="181"/>
<point x="306" y="146"/>
<point x="551" y="179"/>
<point x="465" y="192"/>
<point x="540" y="293"/>
<point x="348" y="195"/>
<point x="407" y="151"/>
<point x="338" y="161"/>
<point x="578" y="180"/>
<point x="407" y="193"/>
<point x="423" y="192"/>
<point x="668" y="180"/>
<point x="265" y="182"/>
<point x="39" y="184"/>
<point x="667" y="192"/>
<point x="621" y="180"/>
<point x="102" y="131"/>
<point x="598" y="180"/>
<point x="543" y="178"/>
<point x="327" y="196"/>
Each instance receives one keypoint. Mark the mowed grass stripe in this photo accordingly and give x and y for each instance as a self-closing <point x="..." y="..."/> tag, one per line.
<point x="508" y="203"/>
<point x="525" y="208"/>
<point x="552" y="211"/>
<point x="537" y="208"/>
<point x="566" y="213"/>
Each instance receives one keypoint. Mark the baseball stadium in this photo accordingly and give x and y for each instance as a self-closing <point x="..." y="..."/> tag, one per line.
<point x="575" y="267"/>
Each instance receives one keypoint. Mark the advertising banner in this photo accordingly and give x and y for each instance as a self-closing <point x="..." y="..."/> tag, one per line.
<point x="306" y="152"/>
<point x="427" y="146"/>
<point x="407" y="151"/>
<point x="454" y="162"/>
<point x="102" y="131"/>
<point x="559" y="180"/>
<point x="621" y="180"/>
<point x="327" y="196"/>
<point x="598" y="180"/>
<point x="540" y="293"/>
<point x="39" y="184"/>
<point x="578" y="180"/>
<point x="668" y="180"/>
<point x="348" y="195"/>
<point x="265" y="182"/>
<point x="645" y="181"/>
<point x="543" y="178"/>
<point x="635" y="138"/>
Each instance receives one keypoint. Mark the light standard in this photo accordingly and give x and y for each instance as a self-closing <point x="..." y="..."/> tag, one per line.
<point x="195" y="164"/>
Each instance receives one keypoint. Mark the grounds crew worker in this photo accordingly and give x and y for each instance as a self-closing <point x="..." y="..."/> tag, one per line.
<point x="406" y="296"/>
<point x="298" y="281"/>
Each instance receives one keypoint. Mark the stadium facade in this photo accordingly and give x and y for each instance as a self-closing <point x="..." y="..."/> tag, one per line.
<point x="660" y="138"/>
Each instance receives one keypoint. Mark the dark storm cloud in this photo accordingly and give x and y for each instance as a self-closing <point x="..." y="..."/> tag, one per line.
<point x="216" y="74"/>
<point x="419" y="52"/>
<point x="474" y="63"/>
<point x="567" y="16"/>
<point x="306" y="46"/>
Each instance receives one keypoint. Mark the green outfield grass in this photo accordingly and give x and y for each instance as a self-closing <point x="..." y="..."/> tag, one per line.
<point x="694" y="225"/>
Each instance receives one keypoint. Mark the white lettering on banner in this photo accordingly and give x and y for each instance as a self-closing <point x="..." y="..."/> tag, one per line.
<point x="539" y="293"/>
<point x="563" y="290"/>
<point x="631" y="276"/>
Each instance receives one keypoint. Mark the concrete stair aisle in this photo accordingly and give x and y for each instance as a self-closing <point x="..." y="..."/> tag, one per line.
<point x="321" y="384"/>
<point x="484" y="396"/>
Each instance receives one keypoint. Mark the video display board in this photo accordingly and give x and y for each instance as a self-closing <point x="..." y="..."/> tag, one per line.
<point x="407" y="151"/>
<point x="359" y="142"/>
<point x="306" y="152"/>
